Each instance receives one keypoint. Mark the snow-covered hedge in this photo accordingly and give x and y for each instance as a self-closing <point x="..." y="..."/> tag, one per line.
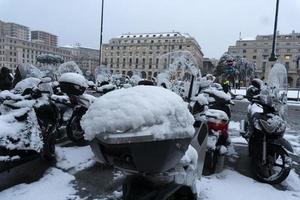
<point x="141" y="110"/>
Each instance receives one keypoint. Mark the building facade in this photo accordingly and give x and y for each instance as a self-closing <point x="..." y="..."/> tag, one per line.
<point x="14" y="30"/>
<point x="258" y="51"/>
<point x="44" y="37"/>
<point x="14" y="51"/>
<point x="86" y="58"/>
<point x="130" y="53"/>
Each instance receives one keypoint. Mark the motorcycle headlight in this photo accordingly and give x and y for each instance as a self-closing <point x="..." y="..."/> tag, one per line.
<point x="267" y="126"/>
<point x="275" y="124"/>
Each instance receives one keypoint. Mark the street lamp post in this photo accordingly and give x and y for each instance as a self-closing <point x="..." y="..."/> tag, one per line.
<point x="100" y="50"/>
<point x="273" y="56"/>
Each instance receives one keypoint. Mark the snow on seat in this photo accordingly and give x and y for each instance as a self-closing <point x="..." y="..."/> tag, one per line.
<point x="139" y="110"/>
<point x="20" y="135"/>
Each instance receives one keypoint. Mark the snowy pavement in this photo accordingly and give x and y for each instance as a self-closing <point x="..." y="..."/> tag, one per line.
<point x="76" y="176"/>
<point x="62" y="183"/>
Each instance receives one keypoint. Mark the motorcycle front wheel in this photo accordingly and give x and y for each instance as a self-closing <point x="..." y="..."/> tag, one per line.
<point x="276" y="168"/>
<point x="74" y="130"/>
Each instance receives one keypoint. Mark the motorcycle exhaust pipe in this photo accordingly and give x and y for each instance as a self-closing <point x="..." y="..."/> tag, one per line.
<point x="264" y="156"/>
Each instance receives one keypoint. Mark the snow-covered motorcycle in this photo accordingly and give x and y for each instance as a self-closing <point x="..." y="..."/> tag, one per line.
<point x="217" y="117"/>
<point x="74" y="85"/>
<point x="265" y="128"/>
<point x="28" y="124"/>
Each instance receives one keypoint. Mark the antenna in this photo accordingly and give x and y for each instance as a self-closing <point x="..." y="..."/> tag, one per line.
<point x="240" y="36"/>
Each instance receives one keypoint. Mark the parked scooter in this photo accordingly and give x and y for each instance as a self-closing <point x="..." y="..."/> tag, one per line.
<point x="29" y="121"/>
<point x="217" y="115"/>
<point x="266" y="126"/>
<point x="74" y="85"/>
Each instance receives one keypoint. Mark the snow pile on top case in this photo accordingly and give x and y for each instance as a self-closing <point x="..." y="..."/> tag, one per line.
<point x="141" y="110"/>
<point x="74" y="78"/>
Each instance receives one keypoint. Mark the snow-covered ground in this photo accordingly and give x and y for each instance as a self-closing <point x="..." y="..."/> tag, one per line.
<point x="59" y="182"/>
<point x="55" y="184"/>
<point x="231" y="185"/>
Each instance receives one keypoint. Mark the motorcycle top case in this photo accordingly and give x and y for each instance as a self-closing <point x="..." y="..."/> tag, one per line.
<point x="71" y="88"/>
<point x="139" y="154"/>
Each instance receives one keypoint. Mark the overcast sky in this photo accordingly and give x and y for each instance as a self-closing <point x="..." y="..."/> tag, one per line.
<point x="215" y="24"/>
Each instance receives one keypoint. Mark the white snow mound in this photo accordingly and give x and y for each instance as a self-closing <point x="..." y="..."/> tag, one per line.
<point x="141" y="110"/>
<point x="74" y="78"/>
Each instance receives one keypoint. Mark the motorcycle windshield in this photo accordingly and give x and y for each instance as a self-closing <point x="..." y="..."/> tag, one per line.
<point x="102" y="74"/>
<point x="274" y="92"/>
<point x="67" y="67"/>
<point x="179" y="72"/>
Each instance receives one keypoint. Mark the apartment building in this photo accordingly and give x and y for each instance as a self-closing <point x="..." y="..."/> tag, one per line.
<point x="140" y="52"/>
<point x="14" y="51"/>
<point x="258" y="51"/>
<point x="44" y="37"/>
<point x="86" y="58"/>
<point x="14" y="30"/>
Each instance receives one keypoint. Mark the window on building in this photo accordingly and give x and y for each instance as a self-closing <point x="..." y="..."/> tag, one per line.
<point x="180" y="46"/>
<point x="288" y="50"/>
<point x="254" y="57"/>
<point x="136" y="61"/>
<point x="150" y="63"/>
<point x="244" y="51"/>
<point x="245" y="44"/>
<point x="287" y="57"/>
<point x="130" y="61"/>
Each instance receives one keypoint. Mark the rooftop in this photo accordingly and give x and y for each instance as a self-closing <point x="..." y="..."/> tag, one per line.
<point x="154" y="35"/>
